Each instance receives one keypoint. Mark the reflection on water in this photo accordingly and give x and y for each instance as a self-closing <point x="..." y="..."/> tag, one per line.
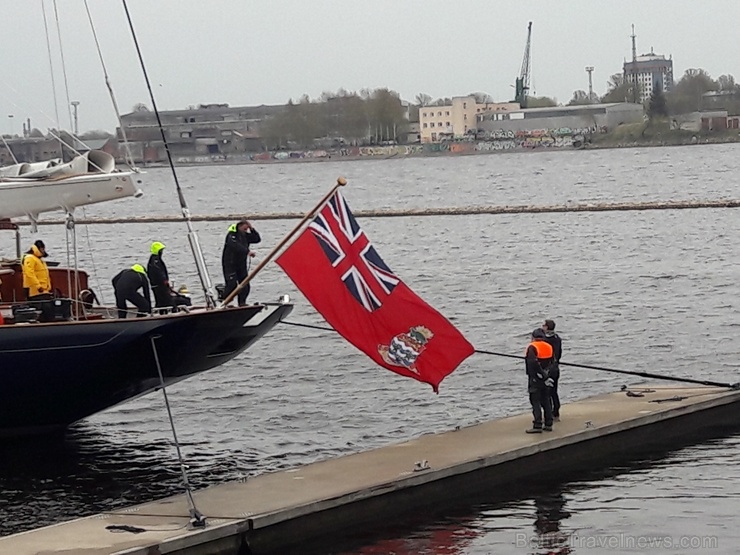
<point x="548" y="526"/>
<point x="83" y="473"/>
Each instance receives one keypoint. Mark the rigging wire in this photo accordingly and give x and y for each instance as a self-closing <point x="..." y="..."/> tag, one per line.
<point x="92" y="258"/>
<point x="586" y="366"/>
<point x="70" y="224"/>
<point x="628" y="372"/>
<point x="51" y="64"/>
<point x="52" y="132"/>
<point x="197" y="520"/>
<point x="126" y="146"/>
<point x="200" y="262"/>
<point x="7" y="147"/>
<point x="64" y="67"/>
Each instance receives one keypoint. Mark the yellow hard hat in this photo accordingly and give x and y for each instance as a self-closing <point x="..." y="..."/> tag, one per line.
<point x="157" y="247"/>
<point x="138" y="268"/>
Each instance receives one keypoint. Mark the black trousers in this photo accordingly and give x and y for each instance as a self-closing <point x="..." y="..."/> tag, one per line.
<point x="137" y="299"/>
<point x="539" y="397"/>
<point x="171" y="300"/>
<point x="232" y="280"/>
<point x="554" y="397"/>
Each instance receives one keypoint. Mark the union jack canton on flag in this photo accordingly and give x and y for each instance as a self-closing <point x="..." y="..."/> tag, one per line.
<point x="366" y="276"/>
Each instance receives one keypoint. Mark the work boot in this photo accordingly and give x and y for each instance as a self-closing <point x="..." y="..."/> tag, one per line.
<point x="534" y="431"/>
<point x="547" y="428"/>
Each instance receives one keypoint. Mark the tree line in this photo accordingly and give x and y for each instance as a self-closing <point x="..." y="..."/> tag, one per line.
<point x="341" y="118"/>
<point x="686" y="95"/>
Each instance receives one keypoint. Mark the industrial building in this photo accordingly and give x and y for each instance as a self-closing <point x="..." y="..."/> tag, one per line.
<point x="211" y="130"/>
<point x="583" y="118"/>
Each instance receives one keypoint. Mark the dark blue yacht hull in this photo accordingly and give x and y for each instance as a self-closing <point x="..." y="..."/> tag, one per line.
<point x="55" y="374"/>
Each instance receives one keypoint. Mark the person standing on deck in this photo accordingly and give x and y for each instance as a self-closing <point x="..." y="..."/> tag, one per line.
<point x="538" y="359"/>
<point x="126" y="284"/>
<point x="37" y="281"/>
<point x="557" y="350"/>
<point x="235" y="256"/>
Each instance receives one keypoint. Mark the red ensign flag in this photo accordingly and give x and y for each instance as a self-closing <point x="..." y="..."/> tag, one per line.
<point x="336" y="267"/>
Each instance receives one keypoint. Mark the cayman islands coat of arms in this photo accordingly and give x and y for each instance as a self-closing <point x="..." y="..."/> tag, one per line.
<point x="405" y="348"/>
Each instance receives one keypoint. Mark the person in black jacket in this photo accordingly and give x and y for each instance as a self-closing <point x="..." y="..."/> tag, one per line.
<point x="159" y="278"/>
<point x="126" y="284"/>
<point x="537" y="360"/>
<point x="235" y="255"/>
<point x="557" y="349"/>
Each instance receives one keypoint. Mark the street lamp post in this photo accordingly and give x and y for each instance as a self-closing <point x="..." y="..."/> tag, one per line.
<point x="75" y="103"/>
<point x="590" y="70"/>
<point x="10" y="117"/>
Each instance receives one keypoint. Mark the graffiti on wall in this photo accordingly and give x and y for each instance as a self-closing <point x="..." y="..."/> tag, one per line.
<point x="560" y="137"/>
<point x="497" y="140"/>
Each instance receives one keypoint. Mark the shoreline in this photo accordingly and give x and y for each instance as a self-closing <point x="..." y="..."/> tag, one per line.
<point x="471" y="150"/>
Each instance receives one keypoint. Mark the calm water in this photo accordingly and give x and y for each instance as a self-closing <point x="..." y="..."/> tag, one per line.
<point x="645" y="291"/>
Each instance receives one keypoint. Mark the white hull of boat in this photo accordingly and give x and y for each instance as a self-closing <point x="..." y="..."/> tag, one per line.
<point x="30" y="197"/>
<point x="32" y="189"/>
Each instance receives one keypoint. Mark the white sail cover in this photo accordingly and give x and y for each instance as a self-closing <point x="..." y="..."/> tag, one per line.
<point x="32" y="189"/>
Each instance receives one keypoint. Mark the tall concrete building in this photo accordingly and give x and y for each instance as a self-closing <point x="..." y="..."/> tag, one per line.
<point x="648" y="71"/>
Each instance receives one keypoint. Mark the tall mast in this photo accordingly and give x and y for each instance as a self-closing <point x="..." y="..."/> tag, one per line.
<point x="200" y="262"/>
<point x="635" y="92"/>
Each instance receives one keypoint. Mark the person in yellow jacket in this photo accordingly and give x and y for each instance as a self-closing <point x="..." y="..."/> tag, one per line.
<point x="36" y="280"/>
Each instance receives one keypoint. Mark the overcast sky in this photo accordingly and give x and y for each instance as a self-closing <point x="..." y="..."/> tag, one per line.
<point x="250" y="52"/>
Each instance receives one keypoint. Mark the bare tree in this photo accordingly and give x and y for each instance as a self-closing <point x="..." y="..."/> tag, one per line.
<point x="618" y="89"/>
<point x="423" y="99"/>
<point x="540" y="102"/>
<point x="727" y="83"/>
<point x="579" y="98"/>
<point x="482" y="98"/>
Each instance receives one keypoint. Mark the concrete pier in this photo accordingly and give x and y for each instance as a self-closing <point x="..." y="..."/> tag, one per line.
<point x="281" y="511"/>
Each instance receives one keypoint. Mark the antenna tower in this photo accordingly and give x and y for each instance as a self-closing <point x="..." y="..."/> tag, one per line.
<point x="634" y="65"/>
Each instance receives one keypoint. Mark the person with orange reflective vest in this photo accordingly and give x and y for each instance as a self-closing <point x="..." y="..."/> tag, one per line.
<point x="538" y="360"/>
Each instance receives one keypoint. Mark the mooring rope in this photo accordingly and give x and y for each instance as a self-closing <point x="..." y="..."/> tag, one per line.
<point x="573" y="364"/>
<point x="463" y="211"/>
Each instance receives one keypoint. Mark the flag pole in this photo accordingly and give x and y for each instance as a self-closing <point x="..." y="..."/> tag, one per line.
<point x="341" y="182"/>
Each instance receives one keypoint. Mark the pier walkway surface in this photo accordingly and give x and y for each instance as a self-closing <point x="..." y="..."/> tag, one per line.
<point x="278" y="512"/>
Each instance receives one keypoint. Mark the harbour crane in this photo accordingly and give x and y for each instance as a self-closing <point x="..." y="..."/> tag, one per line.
<point x="522" y="82"/>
